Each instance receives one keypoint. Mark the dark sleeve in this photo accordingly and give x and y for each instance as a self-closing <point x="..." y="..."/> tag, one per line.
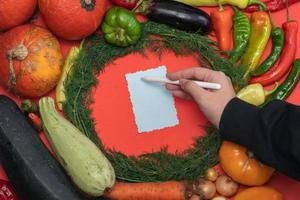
<point x="272" y="133"/>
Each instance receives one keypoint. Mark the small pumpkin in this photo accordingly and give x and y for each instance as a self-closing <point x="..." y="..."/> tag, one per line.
<point x="72" y="19"/>
<point x="30" y="61"/>
<point x="259" y="193"/>
<point x="15" y="12"/>
<point x="241" y="166"/>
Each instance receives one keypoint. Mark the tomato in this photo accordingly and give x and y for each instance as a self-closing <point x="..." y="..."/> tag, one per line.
<point x="241" y="165"/>
<point x="129" y="4"/>
<point x="259" y="193"/>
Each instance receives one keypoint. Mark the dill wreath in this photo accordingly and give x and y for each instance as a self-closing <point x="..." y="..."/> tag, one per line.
<point x="153" y="166"/>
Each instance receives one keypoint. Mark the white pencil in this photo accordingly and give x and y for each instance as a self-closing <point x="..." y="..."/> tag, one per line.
<point x="207" y="85"/>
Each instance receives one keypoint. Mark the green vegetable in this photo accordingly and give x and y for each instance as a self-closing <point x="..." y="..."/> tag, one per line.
<point x="241" y="35"/>
<point x="286" y="88"/>
<point x="277" y="46"/>
<point x="83" y="161"/>
<point x="32" y="170"/>
<point x="121" y="28"/>
<point x="260" y="34"/>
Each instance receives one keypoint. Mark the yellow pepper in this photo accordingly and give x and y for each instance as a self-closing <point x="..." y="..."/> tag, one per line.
<point x="255" y="94"/>
<point x="239" y="3"/>
<point x="261" y="28"/>
<point x="60" y="88"/>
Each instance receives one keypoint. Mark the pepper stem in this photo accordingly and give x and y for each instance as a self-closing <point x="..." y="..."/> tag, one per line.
<point x="269" y="92"/>
<point x="29" y="106"/>
<point x="235" y="9"/>
<point x="288" y="16"/>
<point x="261" y="5"/>
<point x="221" y="8"/>
<point x="271" y="19"/>
<point x="141" y="6"/>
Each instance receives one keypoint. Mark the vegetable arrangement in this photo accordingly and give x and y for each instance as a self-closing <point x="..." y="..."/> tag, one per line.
<point x="32" y="65"/>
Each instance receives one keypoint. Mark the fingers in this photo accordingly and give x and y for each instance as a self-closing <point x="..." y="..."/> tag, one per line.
<point x="197" y="73"/>
<point x="192" y="89"/>
<point x="172" y="87"/>
<point x="181" y="94"/>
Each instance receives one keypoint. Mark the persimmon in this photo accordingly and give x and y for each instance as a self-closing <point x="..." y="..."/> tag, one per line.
<point x="241" y="165"/>
<point x="30" y="61"/>
<point x="259" y="193"/>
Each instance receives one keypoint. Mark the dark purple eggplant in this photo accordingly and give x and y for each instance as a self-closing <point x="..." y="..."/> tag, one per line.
<point x="176" y="15"/>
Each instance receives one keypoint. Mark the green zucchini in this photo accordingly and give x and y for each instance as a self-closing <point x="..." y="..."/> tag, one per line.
<point x="32" y="170"/>
<point x="87" y="166"/>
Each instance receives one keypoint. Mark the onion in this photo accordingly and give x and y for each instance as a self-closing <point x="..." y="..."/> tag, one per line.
<point x="226" y="186"/>
<point x="219" y="198"/>
<point x="211" y="174"/>
<point x="195" y="197"/>
<point x="205" y="189"/>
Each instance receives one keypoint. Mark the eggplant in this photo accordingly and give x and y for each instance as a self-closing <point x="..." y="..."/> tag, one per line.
<point x="30" y="167"/>
<point x="176" y="15"/>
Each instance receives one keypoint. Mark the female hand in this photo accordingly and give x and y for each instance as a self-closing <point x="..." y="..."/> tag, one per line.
<point x="211" y="102"/>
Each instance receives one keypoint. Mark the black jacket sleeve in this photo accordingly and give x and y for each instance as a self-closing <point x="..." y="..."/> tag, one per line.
<point x="272" y="133"/>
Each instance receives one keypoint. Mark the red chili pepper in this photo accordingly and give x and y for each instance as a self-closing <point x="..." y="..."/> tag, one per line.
<point x="272" y="5"/>
<point x="7" y="192"/>
<point x="222" y="24"/>
<point x="36" y="121"/>
<point x="290" y="29"/>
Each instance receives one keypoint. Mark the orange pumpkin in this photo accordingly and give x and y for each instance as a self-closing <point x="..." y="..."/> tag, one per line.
<point x="259" y="193"/>
<point x="241" y="165"/>
<point x="30" y="61"/>
<point x="72" y="19"/>
<point x="15" y="12"/>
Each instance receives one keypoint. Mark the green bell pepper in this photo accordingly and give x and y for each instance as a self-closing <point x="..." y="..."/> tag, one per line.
<point x="120" y="27"/>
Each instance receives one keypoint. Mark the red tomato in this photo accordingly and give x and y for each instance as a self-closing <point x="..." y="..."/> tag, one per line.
<point x="129" y="4"/>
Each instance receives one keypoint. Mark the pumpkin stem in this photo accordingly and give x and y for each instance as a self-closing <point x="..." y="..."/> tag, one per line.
<point x="250" y="154"/>
<point x="20" y="52"/>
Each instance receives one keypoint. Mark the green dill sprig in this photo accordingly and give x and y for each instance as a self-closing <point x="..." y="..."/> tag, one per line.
<point x="155" y="166"/>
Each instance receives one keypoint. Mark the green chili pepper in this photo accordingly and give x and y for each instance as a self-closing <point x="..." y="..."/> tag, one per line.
<point x="120" y="27"/>
<point x="260" y="34"/>
<point x="286" y="88"/>
<point x="241" y="33"/>
<point x="277" y="46"/>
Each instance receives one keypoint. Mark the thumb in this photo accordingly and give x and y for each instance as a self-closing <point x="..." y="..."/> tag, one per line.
<point x="192" y="89"/>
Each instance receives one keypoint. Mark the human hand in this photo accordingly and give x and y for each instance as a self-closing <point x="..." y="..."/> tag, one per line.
<point x="211" y="102"/>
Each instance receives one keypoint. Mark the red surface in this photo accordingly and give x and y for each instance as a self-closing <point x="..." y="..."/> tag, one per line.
<point x="115" y="121"/>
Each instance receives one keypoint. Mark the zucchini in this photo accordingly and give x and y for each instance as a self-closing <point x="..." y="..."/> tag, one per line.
<point x="87" y="166"/>
<point x="35" y="174"/>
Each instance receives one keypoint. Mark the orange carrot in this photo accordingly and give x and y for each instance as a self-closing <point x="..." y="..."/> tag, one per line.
<point x="170" y="190"/>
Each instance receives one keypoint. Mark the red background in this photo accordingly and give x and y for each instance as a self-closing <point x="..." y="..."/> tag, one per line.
<point x="114" y="117"/>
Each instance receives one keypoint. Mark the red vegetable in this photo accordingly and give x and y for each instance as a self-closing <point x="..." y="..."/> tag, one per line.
<point x="7" y="192"/>
<point x="222" y="25"/>
<point x="129" y="4"/>
<point x="14" y="13"/>
<point x="36" y="121"/>
<point x="272" y="5"/>
<point x="72" y="19"/>
<point x="290" y="29"/>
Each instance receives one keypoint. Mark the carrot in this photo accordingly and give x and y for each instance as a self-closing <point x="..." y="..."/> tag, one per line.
<point x="170" y="190"/>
